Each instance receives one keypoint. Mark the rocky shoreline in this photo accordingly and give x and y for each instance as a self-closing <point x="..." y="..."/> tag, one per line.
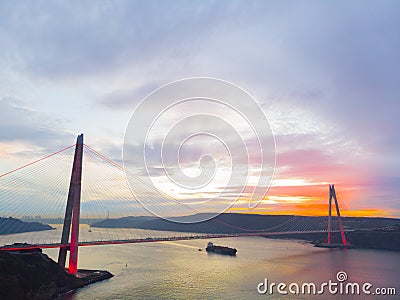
<point x="33" y="275"/>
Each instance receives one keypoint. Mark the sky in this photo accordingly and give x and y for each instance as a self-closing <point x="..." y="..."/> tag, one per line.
<point x="325" y="73"/>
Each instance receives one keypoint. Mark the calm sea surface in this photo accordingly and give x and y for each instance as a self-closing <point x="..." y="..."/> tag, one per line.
<point x="178" y="270"/>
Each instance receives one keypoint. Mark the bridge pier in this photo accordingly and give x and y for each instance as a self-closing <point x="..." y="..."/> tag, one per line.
<point x="72" y="212"/>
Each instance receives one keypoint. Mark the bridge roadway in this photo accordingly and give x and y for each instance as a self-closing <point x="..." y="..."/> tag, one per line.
<point x="20" y="247"/>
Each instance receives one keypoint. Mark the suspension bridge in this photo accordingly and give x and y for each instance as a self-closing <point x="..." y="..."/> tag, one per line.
<point x="98" y="186"/>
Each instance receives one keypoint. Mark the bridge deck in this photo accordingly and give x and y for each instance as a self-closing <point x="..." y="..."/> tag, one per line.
<point x="149" y="240"/>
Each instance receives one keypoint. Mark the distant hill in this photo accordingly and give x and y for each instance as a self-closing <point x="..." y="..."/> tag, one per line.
<point x="371" y="233"/>
<point x="12" y="225"/>
<point x="241" y="223"/>
<point x="220" y="224"/>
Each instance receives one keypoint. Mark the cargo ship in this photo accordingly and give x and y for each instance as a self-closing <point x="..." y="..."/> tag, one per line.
<point x="220" y="249"/>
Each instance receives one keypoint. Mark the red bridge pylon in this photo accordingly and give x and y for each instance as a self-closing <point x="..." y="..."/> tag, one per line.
<point x="332" y="194"/>
<point x="72" y="212"/>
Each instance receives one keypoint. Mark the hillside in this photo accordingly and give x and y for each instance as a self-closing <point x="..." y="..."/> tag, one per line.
<point x="12" y="225"/>
<point x="241" y="223"/>
<point x="30" y="274"/>
<point x="371" y="233"/>
<point x="33" y="275"/>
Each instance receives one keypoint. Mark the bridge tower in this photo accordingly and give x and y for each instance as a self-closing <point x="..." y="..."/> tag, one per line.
<point x="72" y="212"/>
<point x="332" y="194"/>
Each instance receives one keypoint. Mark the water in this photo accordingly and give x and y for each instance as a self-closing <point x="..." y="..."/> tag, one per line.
<point x="178" y="270"/>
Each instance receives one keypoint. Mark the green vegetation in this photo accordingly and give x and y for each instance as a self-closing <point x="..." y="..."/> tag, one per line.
<point x="33" y="275"/>
<point x="371" y="233"/>
<point x="12" y="225"/>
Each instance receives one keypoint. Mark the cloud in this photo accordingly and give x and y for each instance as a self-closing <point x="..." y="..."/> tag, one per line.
<point x="82" y="39"/>
<point x="21" y="124"/>
<point x="325" y="73"/>
<point x="123" y="99"/>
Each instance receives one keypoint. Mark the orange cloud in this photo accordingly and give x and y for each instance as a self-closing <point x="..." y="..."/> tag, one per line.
<point x="311" y="200"/>
<point x="315" y="210"/>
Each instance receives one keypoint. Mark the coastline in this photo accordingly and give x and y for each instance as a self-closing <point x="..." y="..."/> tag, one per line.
<point x="361" y="239"/>
<point x="376" y="233"/>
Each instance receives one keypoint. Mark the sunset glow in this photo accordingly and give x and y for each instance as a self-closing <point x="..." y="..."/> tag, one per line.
<point x="332" y="105"/>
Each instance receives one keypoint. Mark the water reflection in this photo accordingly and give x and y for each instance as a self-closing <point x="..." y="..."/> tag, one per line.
<point x="178" y="270"/>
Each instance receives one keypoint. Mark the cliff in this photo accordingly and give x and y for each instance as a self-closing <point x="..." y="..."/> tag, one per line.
<point x="33" y="275"/>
